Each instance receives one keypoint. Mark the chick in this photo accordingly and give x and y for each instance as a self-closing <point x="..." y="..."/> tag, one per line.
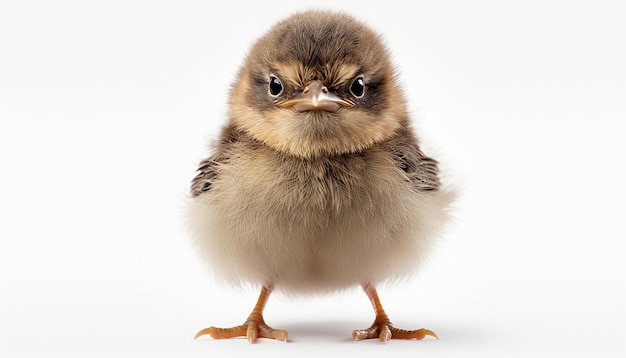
<point x="317" y="183"/>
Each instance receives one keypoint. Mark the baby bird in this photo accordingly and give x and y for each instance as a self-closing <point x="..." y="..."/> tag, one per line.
<point x="317" y="183"/>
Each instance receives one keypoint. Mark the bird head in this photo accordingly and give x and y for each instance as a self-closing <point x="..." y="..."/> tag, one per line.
<point x="318" y="84"/>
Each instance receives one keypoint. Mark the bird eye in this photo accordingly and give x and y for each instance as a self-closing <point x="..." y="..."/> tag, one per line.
<point x="357" y="88"/>
<point x="276" y="87"/>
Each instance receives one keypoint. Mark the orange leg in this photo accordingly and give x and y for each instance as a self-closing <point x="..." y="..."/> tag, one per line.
<point x="254" y="327"/>
<point x="382" y="328"/>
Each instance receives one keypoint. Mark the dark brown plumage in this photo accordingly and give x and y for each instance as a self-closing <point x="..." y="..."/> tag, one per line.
<point x="317" y="183"/>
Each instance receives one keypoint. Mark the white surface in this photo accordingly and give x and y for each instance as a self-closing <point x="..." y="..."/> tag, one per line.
<point x="106" y="109"/>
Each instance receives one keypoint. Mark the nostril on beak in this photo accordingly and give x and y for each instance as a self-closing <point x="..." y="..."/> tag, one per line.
<point x="306" y="89"/>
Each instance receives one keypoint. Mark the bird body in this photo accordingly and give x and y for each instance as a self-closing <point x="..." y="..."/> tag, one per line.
<point x="317" y="183"/>
<point x="313" y="224"/>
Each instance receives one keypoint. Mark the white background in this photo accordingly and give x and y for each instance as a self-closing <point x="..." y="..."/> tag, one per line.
<point x="107" y="107"/>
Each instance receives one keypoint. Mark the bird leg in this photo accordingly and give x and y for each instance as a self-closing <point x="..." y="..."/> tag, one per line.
<point x="254" y="327"/>
<point x="382" y="328"/>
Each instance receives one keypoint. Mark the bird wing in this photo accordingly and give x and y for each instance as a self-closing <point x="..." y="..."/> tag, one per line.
<point x="206" y="174"/>
<point x="421" y="170"/>
<point x="208" y="168"/>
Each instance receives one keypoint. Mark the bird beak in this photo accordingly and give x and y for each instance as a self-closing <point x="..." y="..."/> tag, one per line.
<point x="315" y="97"/>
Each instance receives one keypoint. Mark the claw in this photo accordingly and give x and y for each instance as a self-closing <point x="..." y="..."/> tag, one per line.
<point x="251" y="335"/>
<point x="428" y="332"/>
<point x="385" y="334"/>
<point x="282" y="336"/>
<point x="204" y="332"/>
<point x="358" y="335"/>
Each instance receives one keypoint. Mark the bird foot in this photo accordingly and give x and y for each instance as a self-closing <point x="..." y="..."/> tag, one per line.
<point x="252" y="329"/>
<point x="385" y="331"/>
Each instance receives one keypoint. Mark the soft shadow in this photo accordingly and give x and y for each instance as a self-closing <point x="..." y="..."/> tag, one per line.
<point x="459" y="332"/>
<point x="327" y="331"/>
<point x="341" y="332"/>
